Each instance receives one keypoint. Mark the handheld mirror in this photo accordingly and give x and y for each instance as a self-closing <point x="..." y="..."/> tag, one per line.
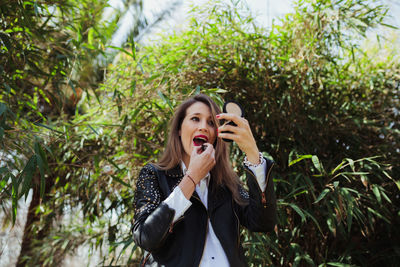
<point x="233" y="108"/>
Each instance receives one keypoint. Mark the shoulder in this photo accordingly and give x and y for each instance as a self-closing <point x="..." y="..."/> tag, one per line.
<point x="147" y="174"/>
<point x="148" y="169"/>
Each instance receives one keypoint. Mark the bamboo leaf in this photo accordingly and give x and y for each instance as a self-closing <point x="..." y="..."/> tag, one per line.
<point x="377" y="193"/>
<point x="349" y="217"/>
<point x="317" y="164"/>
<point x="71" y="84"/>
<point x="398" y="184"/>
<point x="42" y="165"/>
<point x="14" y="209"/>
<point x="351" y="162"/>
<point x="122" y="50"/>
<point x="299" y="159"/>
<point x="47" y="127"/>
<point x="40" y="154"/>
<point x="379" y="215"/>
<point x="322" y="195"/>
<point x="298" y="210"/>
<point x="115" y="178"/>
<point x="385" y="196"/>
<point x="314" y="220"/>
<point x="165" y="99"/>
<point x="126" y="244"/>
<point x="4" y="181"/>
<point x="27" y="175"/>
<point x="91" y="128"/>
<point x="338" y="167"/>
<point x="390" y="26"/>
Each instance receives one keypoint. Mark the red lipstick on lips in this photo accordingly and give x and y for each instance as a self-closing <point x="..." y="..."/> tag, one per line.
<point x="199" y="140"/>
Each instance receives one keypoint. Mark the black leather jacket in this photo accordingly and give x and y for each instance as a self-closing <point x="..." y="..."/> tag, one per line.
<point x="182" y="243"/>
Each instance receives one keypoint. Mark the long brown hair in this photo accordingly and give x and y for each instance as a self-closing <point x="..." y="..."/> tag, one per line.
<point x="222" y="173"/>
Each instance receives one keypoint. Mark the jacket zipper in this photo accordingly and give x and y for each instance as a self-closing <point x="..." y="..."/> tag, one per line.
<point x="165" y="234"/>
<point x="263" y="198"/>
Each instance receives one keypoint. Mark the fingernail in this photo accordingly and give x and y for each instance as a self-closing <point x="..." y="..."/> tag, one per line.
<point x="217" y="131"/>
<point x="217" y="116"/>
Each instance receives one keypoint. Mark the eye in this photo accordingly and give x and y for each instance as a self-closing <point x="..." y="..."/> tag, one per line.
<point x="195" y="119"/>
<point x="211" y="123"/>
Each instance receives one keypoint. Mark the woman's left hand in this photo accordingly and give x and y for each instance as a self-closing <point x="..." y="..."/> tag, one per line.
<point x="241" y="134"/>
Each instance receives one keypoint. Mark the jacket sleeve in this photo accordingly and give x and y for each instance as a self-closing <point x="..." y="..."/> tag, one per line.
<point x="259" y="214"/>
<point x="152" y="218"/>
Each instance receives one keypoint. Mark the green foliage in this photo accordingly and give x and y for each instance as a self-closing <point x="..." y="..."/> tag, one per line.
<point x="43" y="48"/>
<point x="48" y="51"/>
<point x="331" y="216"/>
<point x="315" y="97"/>
<point x="308" y="88"/>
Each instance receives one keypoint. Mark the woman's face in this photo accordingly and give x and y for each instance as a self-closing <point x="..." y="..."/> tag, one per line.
<point x="197" y="128"/>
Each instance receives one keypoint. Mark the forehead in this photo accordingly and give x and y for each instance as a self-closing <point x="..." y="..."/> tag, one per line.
<point x="199" y="108"/>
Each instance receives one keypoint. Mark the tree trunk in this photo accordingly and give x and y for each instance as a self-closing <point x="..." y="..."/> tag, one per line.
<point x="30" y="234"/>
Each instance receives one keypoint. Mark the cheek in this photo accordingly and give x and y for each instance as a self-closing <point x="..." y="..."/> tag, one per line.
<point x="214" y="134"/>
<point x="185" y="134"/>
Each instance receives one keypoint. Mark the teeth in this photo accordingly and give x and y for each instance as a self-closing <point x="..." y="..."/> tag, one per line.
<point x="201" y="138"/>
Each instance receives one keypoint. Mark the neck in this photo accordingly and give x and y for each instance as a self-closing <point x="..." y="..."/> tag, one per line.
<point x="186" y="160"/>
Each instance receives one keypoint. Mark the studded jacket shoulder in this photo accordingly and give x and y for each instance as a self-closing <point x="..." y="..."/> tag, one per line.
<point x="148" y="208"/>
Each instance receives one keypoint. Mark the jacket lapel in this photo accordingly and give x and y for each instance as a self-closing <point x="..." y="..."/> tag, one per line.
<point x="216" y="197"/>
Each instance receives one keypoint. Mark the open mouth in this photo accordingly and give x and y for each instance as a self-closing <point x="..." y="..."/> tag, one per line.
<point x="199" y="140"/>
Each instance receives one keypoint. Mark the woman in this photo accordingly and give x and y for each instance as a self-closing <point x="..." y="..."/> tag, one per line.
<point x="190" y="205"/>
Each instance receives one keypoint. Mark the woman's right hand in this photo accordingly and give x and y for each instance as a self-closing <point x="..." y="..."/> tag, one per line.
<point x="201" y="162"/>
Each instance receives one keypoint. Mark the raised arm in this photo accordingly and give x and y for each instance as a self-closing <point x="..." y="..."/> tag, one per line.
<point x="259" y="215"/>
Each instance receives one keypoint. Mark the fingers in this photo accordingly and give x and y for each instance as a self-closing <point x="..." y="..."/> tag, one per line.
<point x="229" y="132"/>
<point x="232" y="117"/>
<point x="196" y="150"/>
<point x="229" y="128"/>
<point x="240" y="131"/>
<point x="201" y="162"/>
<point x="209" y="147"/>
<point x="209" y="151"/>
<point x="230" y="136"/>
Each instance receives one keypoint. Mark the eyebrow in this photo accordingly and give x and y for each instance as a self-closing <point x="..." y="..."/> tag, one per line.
<point x="198" y="113"/>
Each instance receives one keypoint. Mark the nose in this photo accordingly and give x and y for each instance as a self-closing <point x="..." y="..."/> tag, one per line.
<point x="203" y="126"/>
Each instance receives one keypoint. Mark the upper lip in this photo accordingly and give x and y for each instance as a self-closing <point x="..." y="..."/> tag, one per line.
<point x="202" y="136"/>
